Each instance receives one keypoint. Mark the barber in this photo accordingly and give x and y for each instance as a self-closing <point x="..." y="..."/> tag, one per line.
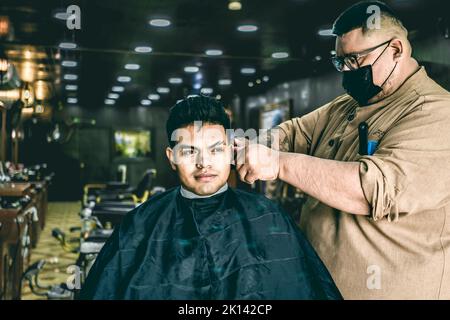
<point x="379" y="217"/>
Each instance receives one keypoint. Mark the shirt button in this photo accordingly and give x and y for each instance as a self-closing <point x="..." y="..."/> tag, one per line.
<point x="331" y="143"/>
<point x="351" y="117"/>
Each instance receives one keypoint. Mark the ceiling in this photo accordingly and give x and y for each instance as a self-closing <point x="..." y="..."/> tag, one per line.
<point x="112" y="29"/>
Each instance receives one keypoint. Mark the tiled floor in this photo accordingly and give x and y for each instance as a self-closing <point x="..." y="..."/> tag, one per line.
<point x="62" y="215"/>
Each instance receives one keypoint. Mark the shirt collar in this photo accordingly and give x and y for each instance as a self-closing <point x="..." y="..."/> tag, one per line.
<point x="190" y="195"/>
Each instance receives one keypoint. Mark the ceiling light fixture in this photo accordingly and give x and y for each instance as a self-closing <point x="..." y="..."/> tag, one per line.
<point x="163" y="90"/>
<point x="175" y="80"/>
<point x="113" y="96"/>
<point x="206" y="91"/>
<point x="69" y="63"/>
<point x="160" y="23"/>
<point x="326" y="32"/>
<point x="117" y="89"/>
<point x="143" y="49"/>
<point x="247" y="28"/>
<point x="248" y="70"/>
<point x="214" y="52"/>
<point x="280" y="55"/>
<point x="132" y="66"/>
<point x="71" y="87"/>
<point x="70" y="77"/>
<point x="191" y="69"/>
<point x="154" y="96"/>
<point x="123" y="79"/>
<point x="234" y="5"/>
<point x="68" y="45"/>
<point x="224" y="82"/>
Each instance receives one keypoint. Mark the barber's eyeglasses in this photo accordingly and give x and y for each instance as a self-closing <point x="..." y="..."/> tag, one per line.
<point x="352" y="60"/>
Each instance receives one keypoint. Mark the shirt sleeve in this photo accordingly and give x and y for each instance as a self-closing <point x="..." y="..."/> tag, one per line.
<point x="410" y="171"/>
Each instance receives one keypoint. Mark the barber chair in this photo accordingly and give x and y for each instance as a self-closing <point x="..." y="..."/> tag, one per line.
<point x="113" y="201"/>
<point x="120" y="192"/>
<point x="52" y="292"/>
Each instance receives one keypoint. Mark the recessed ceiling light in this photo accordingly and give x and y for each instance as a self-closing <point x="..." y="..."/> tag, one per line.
<point x="132" y="66"/>
<point x="67" y="45"/>
<point x="160" y="22"/>
<point x="191" y="69"/>
<point x="163" y="90"/>
<point x="175" y="80"/>
<point x="62" y="15"/>
<point x="234" y="5"/>
<point x="214" y="52"/>
<point x="197" y="86"/>
<point x="72" y="100"/>
<point x="248" y="70"/>
<point x="69" y="63"/>
<point x="113" y="96"/>
<point x="146" y="102"/>
<point x="280" y="55"/>
<point x="117" y="89"/>
<point x="317" y="58"/>
<point x="218" y="97"/>
<point x="153" y="96"/>
<point x="71" y="87"/>
<point x="247" y="28"/>
<point x="206" y="90"/>
<point x="333" y="52"/>
<point x="258" y="81"/>
<point x="123" y="79"/>
<point x="143" y="49"/>
<point x="250" y="84"/>
<point x="224" y="82"/>
<point x="265" y="78"/>
<point x="110" y="101"/>
<point x="70" y="76"/>
<point x="326" y="32"/>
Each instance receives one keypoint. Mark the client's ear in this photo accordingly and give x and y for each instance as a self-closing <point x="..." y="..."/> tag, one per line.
<point x="170" y="157"/>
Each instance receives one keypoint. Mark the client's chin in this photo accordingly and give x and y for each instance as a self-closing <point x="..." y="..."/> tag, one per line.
<point x="206" y="190"/>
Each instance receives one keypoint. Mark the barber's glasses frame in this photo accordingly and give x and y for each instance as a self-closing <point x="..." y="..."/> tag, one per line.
<point x="352" y="60"/>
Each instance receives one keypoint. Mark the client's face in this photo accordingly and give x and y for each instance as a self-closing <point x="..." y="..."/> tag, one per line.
<point x="201" y="158"/>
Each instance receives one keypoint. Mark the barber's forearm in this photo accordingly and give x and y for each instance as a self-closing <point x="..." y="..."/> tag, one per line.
<point x="335" y="183"/>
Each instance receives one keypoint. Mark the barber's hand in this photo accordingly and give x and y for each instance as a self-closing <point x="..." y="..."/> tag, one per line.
<point x="255" y="161"/>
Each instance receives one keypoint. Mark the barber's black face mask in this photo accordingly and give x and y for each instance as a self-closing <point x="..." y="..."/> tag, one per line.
<point x="359" y="83"/>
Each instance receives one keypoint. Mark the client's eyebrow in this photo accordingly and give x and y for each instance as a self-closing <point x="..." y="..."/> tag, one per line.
<point x="216" y="144"/>
<point x="186" y="146"/>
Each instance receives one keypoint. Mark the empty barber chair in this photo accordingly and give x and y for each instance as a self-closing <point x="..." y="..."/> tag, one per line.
<point x="111" y="202"/>
<point x="121" y="192"/>
<point x="51" y="292"/>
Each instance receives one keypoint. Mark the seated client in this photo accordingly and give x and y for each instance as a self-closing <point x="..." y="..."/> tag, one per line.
<point x="203" y="239"/>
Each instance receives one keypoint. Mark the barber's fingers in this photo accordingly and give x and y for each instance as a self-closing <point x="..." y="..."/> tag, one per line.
<point x="250" y="177"/>
<point x="241" y="155"/>
<point x="242" y="171"/>
<point x="240" y="142"/>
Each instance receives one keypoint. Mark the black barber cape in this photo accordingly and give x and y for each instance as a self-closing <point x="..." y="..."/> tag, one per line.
<point x="234" y="245"/>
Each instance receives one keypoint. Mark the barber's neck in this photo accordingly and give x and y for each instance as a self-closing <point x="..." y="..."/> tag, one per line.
<point x="405" y="69"/>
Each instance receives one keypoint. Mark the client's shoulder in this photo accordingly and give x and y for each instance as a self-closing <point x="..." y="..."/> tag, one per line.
<point x="153" y="206"/>
<point x="255" y="200"/>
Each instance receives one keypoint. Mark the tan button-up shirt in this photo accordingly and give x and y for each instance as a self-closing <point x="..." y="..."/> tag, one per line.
<point x="402" y="250"/>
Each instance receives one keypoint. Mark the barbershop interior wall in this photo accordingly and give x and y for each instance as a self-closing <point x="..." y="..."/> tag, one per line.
<point x="88" y="157"/>
<point x="310" y="93"/>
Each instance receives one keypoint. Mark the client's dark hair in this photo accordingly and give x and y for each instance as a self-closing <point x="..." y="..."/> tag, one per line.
<point x="196" y="108"/>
